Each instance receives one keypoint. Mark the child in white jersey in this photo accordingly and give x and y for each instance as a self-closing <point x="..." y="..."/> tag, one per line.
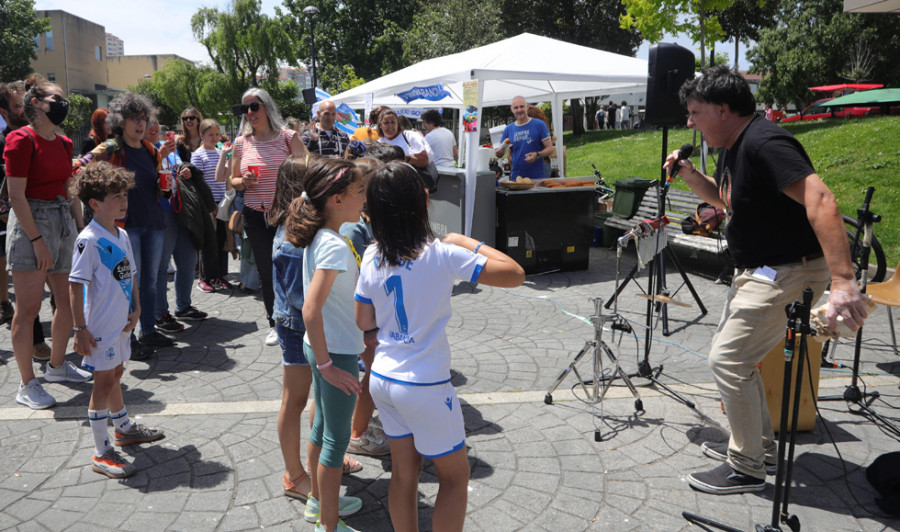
<point x="106" y="308"/>
<point x="404" y="290"/>
<point x="333" y="194"/>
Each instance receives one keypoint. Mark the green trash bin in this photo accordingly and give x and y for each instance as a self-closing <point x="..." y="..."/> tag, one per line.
<point x="629" y="194"/>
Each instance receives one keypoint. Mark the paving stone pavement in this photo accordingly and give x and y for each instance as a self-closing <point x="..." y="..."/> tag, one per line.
<point x="535" y="466"/>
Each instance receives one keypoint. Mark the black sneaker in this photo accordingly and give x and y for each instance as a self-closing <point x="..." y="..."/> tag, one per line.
<point x="168" y="324"/>
<point x="190" y="314"/>
<point x="719" y="451"/>
<point x="6" y="312"/>
<point x="724" y="480"/>
<point x="140" y="351"/>
<point x="156" y="339"/>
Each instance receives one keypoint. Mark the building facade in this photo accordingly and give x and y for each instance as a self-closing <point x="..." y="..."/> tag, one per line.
<point x="114" y="46"/>
<point x="72" y="53"/>
<point x="127" y="71"/>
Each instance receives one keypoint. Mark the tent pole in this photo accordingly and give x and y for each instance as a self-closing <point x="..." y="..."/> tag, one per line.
<point x="557" y="111"/>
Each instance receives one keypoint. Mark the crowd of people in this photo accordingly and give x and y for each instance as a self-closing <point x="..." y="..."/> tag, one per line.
<point x="102" y="228"/>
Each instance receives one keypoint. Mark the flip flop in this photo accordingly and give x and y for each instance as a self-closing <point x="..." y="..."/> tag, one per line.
<point x="351" y="465"/>
<point x="291" y="485"/>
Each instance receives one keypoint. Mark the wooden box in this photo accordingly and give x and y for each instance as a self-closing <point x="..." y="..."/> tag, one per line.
<point x="772" y="371"/>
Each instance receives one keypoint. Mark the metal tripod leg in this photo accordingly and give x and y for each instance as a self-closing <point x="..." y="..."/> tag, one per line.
<point x="618" y="373"/>
<point x="548" y="399"/>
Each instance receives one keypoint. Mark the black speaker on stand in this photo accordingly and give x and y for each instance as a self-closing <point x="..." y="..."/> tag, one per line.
<point x="670" y="65"/>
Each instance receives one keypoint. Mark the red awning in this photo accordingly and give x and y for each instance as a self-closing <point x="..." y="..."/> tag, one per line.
<point x="846" y="86"/>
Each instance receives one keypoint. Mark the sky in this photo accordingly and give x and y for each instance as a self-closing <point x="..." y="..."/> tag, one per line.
<point x="164" y="26"/>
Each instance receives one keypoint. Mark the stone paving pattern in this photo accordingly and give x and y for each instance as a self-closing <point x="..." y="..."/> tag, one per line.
<point x="534" y="466"/>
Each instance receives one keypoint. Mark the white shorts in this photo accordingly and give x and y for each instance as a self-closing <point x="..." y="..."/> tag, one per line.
<point x="430" y="414"/>
<point x="109" y="353"/>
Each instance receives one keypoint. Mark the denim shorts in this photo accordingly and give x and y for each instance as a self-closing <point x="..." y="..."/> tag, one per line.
<point x="54" y="222"/>
<point x="291" y="342"/>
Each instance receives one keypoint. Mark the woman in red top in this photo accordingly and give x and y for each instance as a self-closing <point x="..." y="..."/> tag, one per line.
<point x="265" y="144"/>
<point x="42" y="228"/>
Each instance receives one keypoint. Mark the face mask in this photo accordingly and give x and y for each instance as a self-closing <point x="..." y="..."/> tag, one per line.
<point x="58" y="111"/>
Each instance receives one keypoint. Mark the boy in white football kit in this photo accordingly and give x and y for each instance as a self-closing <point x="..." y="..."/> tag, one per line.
<point x="105" y="308"/>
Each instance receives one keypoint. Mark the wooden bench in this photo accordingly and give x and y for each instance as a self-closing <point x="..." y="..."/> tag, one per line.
<point x="679" y="205"/>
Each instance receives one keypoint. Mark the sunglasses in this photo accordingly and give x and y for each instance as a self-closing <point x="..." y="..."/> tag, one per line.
<point x="239" y="109"/>
<point x="186" y="118"/>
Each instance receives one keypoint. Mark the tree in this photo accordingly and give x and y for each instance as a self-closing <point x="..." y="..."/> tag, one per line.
<point x="744" y="19"/>
<point x="452" y="26"/>
<point x="18" y="28"/>
<point x="366" y="35"/>
<point x="242" y="42"/>
<point x="815" y="43"/>
<point x="80" y="109"/>
<point x="181" y="84"/>
<point x="695" y="18"/>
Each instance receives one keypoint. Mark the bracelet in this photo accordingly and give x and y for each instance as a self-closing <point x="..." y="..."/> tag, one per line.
<point x="76" y="329"/>
<point x="320" y="367"/>
<point x="477" y="247"/>
<point x="35" y="239"/>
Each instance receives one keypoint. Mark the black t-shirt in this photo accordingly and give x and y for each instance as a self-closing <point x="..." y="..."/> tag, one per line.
<point x="143" y="203"/>
<point x="765" y="227"/>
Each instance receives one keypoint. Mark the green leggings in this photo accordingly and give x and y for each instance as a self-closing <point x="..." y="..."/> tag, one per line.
<point x="334" y="410"/>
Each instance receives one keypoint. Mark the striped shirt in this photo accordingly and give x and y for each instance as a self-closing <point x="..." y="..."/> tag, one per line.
<point x="268" y="156"/>
<point x="206" y="160"/>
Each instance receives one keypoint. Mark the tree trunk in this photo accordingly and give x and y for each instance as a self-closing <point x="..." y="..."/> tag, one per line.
<point x="577" y="111"/>
<point x="590" y="109"/>
<point x="737" y="44"/>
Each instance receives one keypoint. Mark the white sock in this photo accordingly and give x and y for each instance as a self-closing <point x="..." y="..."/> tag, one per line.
<point x="98" y="420"/>
<point x="121" y="421"/>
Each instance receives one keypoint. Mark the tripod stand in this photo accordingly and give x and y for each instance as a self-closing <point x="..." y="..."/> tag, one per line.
<point x="852" y="393"/>
<point x="797" y="323"/>
<point x="658" y="264"/>
<point x="598" y="348"/>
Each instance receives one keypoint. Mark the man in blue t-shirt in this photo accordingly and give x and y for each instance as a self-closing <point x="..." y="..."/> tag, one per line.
<point x="528" y="141"/>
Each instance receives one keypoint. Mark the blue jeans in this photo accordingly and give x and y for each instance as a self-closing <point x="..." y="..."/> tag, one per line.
<point x="147" y="246"/>
<point x="177" y="244"/>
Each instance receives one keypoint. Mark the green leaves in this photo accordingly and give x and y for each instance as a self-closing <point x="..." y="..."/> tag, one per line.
<point x="18" y="28"/>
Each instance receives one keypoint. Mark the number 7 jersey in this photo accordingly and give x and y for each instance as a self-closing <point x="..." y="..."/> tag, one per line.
<point x="412" y="308"/>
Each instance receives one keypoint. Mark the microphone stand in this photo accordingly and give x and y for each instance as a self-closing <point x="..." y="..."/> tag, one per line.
<point x="797" y="324"/>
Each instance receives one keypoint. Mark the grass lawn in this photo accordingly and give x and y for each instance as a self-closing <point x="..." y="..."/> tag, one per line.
<point x="849" y="155"/>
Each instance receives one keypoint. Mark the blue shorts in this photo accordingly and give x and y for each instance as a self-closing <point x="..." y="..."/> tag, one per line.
<point x="430" y="414"/>
<point x="291" y="342"/>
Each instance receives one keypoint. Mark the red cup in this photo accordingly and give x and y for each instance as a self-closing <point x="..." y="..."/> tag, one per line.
<point x="254" y="169"/>
<point x="165" y="180"/>
<point x="170" y="135"/>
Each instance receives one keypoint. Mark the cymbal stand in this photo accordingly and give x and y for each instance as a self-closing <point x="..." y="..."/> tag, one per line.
<point x="852" y="393"/>
<point x="598" y="348"/>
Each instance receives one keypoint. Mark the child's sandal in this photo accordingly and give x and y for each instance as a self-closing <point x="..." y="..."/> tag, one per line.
<point x="351" y="465"/>
<point x="290" y="487"/>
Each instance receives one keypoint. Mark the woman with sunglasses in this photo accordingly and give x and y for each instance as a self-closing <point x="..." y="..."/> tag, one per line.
<point x="190" y="139"/>
<point x="43" y="224"/>
<point x="264" y="144"/>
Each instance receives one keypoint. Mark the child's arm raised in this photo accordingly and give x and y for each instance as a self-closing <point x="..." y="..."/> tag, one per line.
<point x="84" y="340"/>
<point x="500" y="269"/>
<point x="319" y="288"/>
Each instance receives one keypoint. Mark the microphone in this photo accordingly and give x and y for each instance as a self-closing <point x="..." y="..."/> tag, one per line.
<point x="686" y="151"/>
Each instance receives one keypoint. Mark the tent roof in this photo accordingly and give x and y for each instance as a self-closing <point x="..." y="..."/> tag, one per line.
<point x="843" y="86"/>
<point x="877" y="96"/>
<point x="528" y="65"/>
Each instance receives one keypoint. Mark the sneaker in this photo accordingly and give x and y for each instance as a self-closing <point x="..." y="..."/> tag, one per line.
<point x="156" y="339"/>
<point x="168" y="324"/>
<point x="724" y="480"/>
<point x="341" y="527"/>
<point x="140" y="351"/>
<point x="346" y="506"/>
<point x="190" y="314"/>
<point x="244" y="289"/>
<point x="222" y="283"/>
<point x="40" y="352"/>
<point x="138" y="434"/>
<point x="6" y="311"/>
<point x="170" y="269"/>
<point x="33" y="396"/>
<point x="368" y="444"/>
<point x="67" y="372"/>
<point x="203" y="286"/>
<point x="272" y="338"/>
<point x="112" y="464"/>
<point x="719" y="451"/>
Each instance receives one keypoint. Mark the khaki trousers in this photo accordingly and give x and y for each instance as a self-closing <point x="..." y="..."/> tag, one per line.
<point x="752" y="323"/>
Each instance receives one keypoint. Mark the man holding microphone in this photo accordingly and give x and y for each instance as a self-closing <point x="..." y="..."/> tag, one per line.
<point x="785" y="233"/>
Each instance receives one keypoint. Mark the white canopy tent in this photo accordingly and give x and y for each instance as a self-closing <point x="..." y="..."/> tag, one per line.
<point x="537" y="68"/>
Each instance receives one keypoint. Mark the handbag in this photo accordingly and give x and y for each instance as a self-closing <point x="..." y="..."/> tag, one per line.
<point x="225" y="206"/>
<point x="236" y="222"/>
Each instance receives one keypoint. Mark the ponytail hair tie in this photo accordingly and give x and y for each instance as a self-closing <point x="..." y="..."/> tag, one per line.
<point x="304" y="196"/>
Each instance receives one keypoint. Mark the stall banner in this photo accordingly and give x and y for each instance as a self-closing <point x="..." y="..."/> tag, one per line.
<point x="347" y="119"/>
<point x="414" y="113"/>
<point x="470" y="100"/>
<point x="431" y="93"/>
